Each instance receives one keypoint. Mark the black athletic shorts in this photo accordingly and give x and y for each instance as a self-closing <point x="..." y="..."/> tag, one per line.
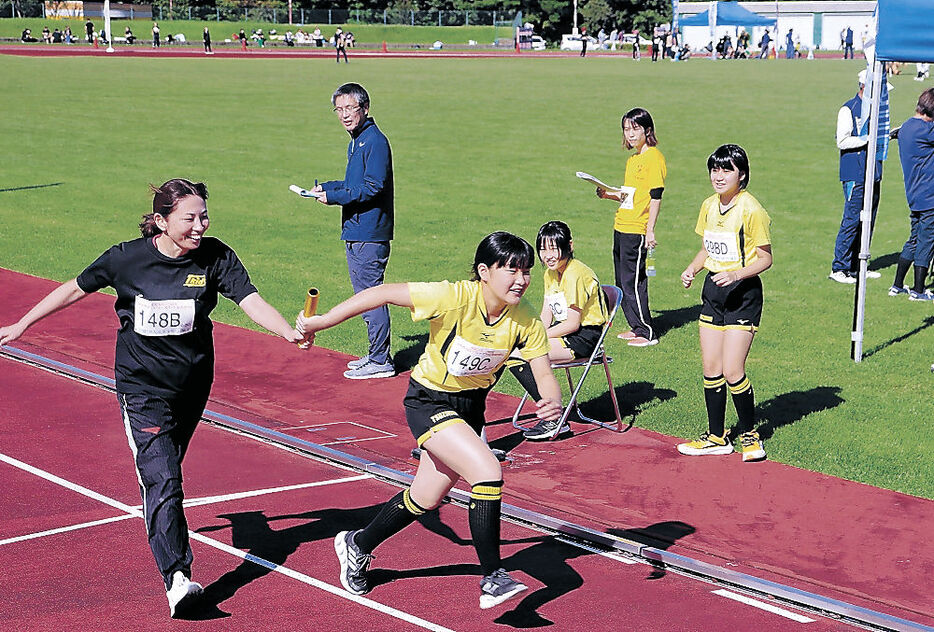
<point x="428" y="411"/>
<point x="583" y="341"/>
<point x="735" y="306"/>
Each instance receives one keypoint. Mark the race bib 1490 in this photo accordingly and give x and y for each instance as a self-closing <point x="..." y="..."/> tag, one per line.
<point x="164" y="318"/>
<point x="465" y="358"/>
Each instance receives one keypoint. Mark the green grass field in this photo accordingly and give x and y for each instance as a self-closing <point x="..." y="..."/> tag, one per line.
<point x="482" y="145"/>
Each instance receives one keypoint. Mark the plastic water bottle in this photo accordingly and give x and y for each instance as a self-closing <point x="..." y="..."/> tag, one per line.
<point x="650" y="262"/>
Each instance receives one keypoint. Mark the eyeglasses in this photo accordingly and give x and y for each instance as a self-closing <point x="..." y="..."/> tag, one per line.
<point x="350" y="109"/>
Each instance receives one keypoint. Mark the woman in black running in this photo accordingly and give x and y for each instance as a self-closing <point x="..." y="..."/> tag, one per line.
<point x="167" y="284"/>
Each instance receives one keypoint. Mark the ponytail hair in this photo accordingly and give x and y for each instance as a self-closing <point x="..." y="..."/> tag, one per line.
<point x="164" y="200"/>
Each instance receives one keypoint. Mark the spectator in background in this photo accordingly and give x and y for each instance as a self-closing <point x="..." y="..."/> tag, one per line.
<point x="367" y="198"/>
<point x="853" y="150"/>
<point x="916" y="152"/>
<point x="764" y="45"/>
<point x="128" y="35"/>
<point x="289" y="39"/>
<point x="89" y="31"/>
<point x="340" y="45"/>
<point x="46" y="35"/>
<point x="155" y="35"/>
<point x="56" y="36"/>
<point x="350" y="39"/>
<point x="317" y="37"/>
<point x="583" y="42"/>
<point x="68" y="35"/>
<point x="656" y="45"/>
<point x="790" y="45"/>
<point x="206" y="39"/>
<point x="27" y="36"/>
<point x="636" y="46"/>
<point x="848" y="43"/>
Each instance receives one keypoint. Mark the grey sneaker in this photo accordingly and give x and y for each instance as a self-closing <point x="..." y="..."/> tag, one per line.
<point x="359" y="362"/>
<point x="545" y="430"/>
<point x="370" y="370"/>
<point x="497" y="587"/>
<point x="183" y="595"/>
<point x="354" y="563"/>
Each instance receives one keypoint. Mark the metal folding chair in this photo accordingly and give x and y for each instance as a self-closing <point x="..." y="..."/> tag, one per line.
<point x="614" y="297"/>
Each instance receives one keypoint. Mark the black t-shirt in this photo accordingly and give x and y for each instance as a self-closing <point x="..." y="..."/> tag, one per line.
<point x="165" y="343"/>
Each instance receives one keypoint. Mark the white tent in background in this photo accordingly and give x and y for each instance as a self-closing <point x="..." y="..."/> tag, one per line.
<point x="904" y="32"/>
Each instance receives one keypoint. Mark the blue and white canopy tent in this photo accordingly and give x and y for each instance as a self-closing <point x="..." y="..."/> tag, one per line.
<point x="904" y="32"/>
<point x="725" y="14"/>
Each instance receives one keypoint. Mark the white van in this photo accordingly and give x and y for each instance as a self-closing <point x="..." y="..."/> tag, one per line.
<point x="573" y="42"/>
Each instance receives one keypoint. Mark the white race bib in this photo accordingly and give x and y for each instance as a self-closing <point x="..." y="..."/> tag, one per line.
<point x="722" y="247"/>
<point x="465" y="358"/>
<point x="558" y="305"/>
<point x="164" y="318"/>
<point x="625" y="198"/>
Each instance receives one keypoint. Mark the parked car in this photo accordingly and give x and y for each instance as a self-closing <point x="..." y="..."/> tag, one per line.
<point x="573" y="42"/>
<point x="538" y="43"/>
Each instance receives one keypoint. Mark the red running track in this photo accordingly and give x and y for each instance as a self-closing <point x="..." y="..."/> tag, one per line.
<point x="101" y="576"/>
<point x="837" y="538"/>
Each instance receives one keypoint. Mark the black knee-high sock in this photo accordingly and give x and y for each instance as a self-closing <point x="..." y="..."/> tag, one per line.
<point x="900" y="271"/>
<point x="523" y="373"/>
<point x="393" y="517"/>
<point x="921" y="274"/>
<point x="744" y="400"/>
<point x="715" y="399"/>
<point x="486" y="500"/>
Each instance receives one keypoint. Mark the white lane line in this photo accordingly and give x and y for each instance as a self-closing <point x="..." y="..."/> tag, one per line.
<point x="311" y="581"/>
<point x="207" y="500"/>
<point x="288" y="572"/>
<point x="755" y="603"/>
<point x="74" y="527"/>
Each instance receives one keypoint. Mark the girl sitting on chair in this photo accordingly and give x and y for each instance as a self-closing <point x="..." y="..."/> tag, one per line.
<point x="574" y="312"/>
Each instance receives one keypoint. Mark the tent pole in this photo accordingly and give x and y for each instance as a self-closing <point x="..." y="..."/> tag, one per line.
<point x="865" y="216"/>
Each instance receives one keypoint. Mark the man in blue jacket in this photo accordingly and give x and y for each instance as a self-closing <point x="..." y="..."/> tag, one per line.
<point x="853" y="152"/>
<point x="366" y="199"/>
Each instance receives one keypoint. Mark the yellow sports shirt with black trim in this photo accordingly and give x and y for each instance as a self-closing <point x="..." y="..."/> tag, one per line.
<point x="465" y="350"/>
<point x="732" y="236"/>
<point x="645" y="171"/>
<point x="578" y="287"/>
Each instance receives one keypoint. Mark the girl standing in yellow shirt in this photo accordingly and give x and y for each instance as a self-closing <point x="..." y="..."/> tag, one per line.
<point x="634" y="227"/>
<point x="737" y="249"/>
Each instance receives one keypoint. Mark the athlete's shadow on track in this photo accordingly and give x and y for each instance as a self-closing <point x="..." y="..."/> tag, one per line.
<point x="251" y="530"/>
<point x="660" y="535"/>
<point x="669" y="319"/>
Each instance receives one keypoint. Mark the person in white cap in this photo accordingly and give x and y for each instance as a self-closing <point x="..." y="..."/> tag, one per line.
<point x="852" y="148"/>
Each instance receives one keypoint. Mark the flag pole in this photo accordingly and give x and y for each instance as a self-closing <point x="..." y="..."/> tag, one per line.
<point x="865" y="216"/>
<point x="110" y="39"/>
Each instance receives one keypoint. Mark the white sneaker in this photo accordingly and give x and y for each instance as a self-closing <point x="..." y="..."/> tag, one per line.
<point x="872" y="274"/>
<point x="182" y="595"/>
<point x="841" y="277"/>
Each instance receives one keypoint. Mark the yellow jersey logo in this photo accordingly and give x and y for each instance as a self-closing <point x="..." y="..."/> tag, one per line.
<point x="195" y="280"/>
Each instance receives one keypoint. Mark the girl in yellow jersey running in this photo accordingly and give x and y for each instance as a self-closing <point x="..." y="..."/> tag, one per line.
<point x="474" y="326"/>
<point x="737" y="249"/>
<point x="634" y="224"/>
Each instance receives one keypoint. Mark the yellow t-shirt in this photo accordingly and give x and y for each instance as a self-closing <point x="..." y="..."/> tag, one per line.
<point x="731" y="237"/>
<point x="578" y="287"/>
<point x="464" y="350"/>
<point x="645" y="171"/>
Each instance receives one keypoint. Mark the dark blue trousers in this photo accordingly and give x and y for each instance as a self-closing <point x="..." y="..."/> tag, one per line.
<point x="159" y="430"/>
<point x="846" y="248"/>
<point x="366" y="262"/>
